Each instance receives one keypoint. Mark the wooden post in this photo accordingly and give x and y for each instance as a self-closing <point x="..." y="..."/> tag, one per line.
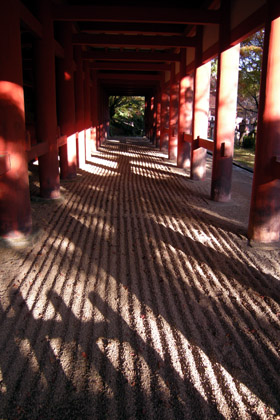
<point x="164" y="126"/>
<point x="46" y="118"/>
<point x="264" y="221"/>
<point x="200" y="119"/>
<point x="87" y="107"/>
<point x="66" y="104"/>
<point x="15" y="210"/>
<point x="158" y="114"/>
<point x="185" y="114"/>
<point x="228" y="65"/>
<point x="173" y="116"/>
<point x="94" y="114"/>
<point x="79" y="108"/>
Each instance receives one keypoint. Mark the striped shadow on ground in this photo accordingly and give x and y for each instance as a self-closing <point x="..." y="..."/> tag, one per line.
<point x="139" y="300"/>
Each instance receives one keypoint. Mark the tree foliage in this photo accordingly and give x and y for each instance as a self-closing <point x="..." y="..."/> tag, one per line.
<point x="127" y="115"/>
<point x="251" y="50"/>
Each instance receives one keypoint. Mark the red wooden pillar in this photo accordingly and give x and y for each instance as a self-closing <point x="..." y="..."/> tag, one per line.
<point x="200" y="119"/>
<point x="79" y="108"/>
<point x="147" y="116"/>
<point x="173" y="116"/>
<point x="68" y="158"/>
<point x="152" y="119"/>
<point x="228" y="65"/>
<point x="87" y="97"/>
<point x="158" y="113"/>
<point x="15" y="210"/>
<point x="94" y="114"/>
<point x="46" y="118"/>
<point x="164" y="126"/>
<point x="185" y="113"/>
<point x="264" y="222"/>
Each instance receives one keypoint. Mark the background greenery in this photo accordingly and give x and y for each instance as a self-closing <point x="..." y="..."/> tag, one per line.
<point x="127" y="115"/>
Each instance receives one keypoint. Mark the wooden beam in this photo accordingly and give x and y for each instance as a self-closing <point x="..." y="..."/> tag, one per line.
<point x="131" y="28"/>
<point x="136" y="14"/>
<point x="37" y="150"/>
<point x="61" y="141"/>
<point x="29" y="21"/>
<point x="141" y="41"/>
<point x="129" y="76"/>
<point x="130" y="66"/>
<point x="155" y="56"/>
<point x="247" y="27"/>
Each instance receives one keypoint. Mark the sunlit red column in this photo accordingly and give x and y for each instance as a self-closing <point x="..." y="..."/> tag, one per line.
<point x="164" y="125"/>
<point x="185" y="113"/>
<point x="66" y="102"/>
<point x="15" y="211"/>
<point x="87" y="99"/>
<point x="79" y="108"/>
<point x="200" y="119"/>
<point x="227" y="83"/>
<point x="45" y="91"/>
<point x="173" y="115"/>
<point x="158" y="113"/>
<point x="264" y="222"/>
<point x="148" y="116"/>
<point x="94" y="114"/>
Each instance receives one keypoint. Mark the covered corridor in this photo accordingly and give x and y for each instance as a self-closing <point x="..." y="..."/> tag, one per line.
<point x="139" y="299"/>
<point x="138" y="279"/>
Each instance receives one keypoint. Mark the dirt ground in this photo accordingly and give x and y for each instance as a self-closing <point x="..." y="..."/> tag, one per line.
<point x="138" y="297"/>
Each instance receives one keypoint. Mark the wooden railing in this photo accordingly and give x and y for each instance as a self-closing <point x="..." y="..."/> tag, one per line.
<point x="39" y="149"/>
<point x="199" y="142"/>
<point x="208" y="144"/>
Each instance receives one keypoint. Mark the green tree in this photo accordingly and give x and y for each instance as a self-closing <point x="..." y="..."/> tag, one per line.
<point x="126" y="115"/>
<point x="251" y="50"/>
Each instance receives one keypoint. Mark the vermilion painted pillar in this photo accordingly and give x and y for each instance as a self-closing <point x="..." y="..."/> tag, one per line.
<point x="147" y="115"/>
<point x="94" y="114"/>
<point x="66" y="101"/>
<point x="164" y="126"/>
<point x="173" y="116"/>
<point x="45" y="91"/>
<point x="79" y="108"/>
<point x="87" y="98"/>
<point x="185" y="121"/>
<point x="200" y="119"/>
<point x="227" y="83"/>
<point x="185" y="114"/>
<point x="87" y="95"/>
<point x="264" y="222"/>
<point x="158" y="113"/>
<point x="15" y="210"/>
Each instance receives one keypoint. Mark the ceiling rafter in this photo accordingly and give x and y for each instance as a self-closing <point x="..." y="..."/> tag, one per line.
<point x="105" y="40"/>
<point x="130" y="66"/>
<point x="131" y="28"/>
<point x="136" y="14"/>
<point x="148" y="56"/>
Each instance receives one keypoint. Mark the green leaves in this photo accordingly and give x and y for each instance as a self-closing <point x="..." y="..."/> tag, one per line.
<point x="250" y="63"/>
<point x="127" y="115"/>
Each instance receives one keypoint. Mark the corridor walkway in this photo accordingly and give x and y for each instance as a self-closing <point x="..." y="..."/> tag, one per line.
<point x="139" y="298"/>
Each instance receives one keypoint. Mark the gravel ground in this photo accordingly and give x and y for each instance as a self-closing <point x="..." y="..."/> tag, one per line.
<point x="139" y="298"/>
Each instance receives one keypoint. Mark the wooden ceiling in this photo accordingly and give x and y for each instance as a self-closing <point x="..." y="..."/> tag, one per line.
<point x="132" y="44"/>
